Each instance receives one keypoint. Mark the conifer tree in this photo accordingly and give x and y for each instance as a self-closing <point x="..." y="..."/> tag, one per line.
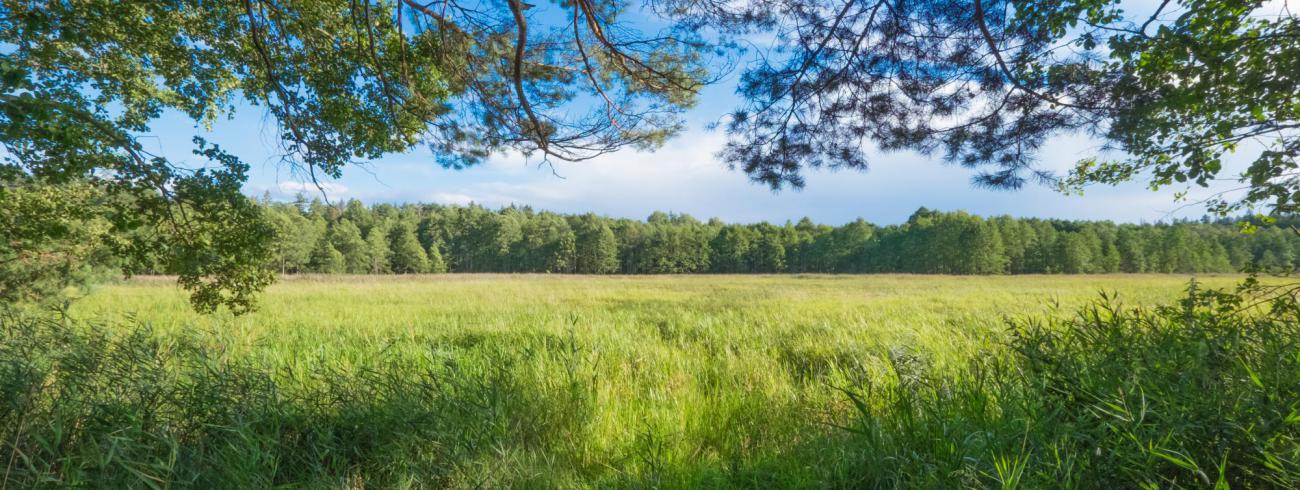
<point x="595" y="246"/>
<point x="346" y="238"/>
<point x="436" y="264"/>
<point x="408" y="256"/>
<point x="378" y="249"/>
<point x="327" y="259"/>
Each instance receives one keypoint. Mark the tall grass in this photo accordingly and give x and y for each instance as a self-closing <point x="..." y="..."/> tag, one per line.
<point x="1203" y="393"/>
<point x="656" y="382"/>
<point x="86" y="408"/>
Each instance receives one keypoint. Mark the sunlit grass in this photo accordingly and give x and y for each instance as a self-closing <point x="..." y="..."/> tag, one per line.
<point x="313" y="312"/>
<point x="674" y="381"/>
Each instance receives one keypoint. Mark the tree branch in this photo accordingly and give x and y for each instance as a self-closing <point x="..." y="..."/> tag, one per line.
<point x="521" y="44"/>
<point x="1002" y="64"/>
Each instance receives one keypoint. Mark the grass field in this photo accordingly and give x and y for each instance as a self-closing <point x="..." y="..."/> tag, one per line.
<point x="646" y="316"/>
<point x="565" y="381"/>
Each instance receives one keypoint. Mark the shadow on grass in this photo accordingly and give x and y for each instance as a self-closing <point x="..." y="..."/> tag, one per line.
<point x="81" y="406"/>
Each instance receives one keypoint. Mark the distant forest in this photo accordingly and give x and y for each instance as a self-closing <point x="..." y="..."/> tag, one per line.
<point x="418" y="238"/>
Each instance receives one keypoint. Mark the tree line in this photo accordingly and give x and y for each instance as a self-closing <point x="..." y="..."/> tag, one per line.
<point x="351" y="237"/>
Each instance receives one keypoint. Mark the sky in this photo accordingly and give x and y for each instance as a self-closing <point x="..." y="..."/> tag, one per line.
<point x="684" y="176"/>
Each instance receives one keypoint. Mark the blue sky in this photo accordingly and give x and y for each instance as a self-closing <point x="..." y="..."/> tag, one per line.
<point x="684" y="176"/>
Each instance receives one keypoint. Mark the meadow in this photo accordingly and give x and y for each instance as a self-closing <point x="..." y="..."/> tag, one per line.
<point x="941" y="315"/>
<point x="548" y="381"/>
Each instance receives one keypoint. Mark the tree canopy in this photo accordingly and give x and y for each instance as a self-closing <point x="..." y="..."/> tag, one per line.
<point x="521" y="239"/>
<point x="985" y="83"/>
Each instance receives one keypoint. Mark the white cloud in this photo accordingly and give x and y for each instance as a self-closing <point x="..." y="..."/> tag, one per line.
<point x="684" y="176"/>
<point x="451" y="198"/>
<point x="287" y="190"/>
<point x="330" y="188"/>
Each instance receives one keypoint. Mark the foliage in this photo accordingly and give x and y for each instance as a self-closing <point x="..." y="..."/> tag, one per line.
<point x="36" y="270"/>
<point x="378" y="249"/>
<point x="1174" y="88"/>
<point x="474" y="239"/>
<point x="436" y="264"/>
<point x="345" y="236"/>
<point x="408" y="256"/>
<point x="595" y="246"/>
<point x="326" y="258"/>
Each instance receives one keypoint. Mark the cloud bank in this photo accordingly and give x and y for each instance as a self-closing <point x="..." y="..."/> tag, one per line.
<point x="684" y="176"/>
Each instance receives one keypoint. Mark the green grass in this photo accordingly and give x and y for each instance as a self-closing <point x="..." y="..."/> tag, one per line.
<point x="682" y="381"/>
<point x="656" y="316"/>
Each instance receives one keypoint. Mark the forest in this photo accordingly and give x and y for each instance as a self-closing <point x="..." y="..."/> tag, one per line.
<point x="350" y="237"/>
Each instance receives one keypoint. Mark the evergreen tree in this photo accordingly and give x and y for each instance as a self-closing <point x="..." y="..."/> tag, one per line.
<point x="327" y="259"/>
<point x="1130" y="245"/>
<point x="595" y="246"/>
<point x="768" y="253"/>
<point x="1073" y="256"/>
<point x="378" y="250"/>
<point x="346" y="238"/>
<point x="296" y="237"/>
<point x="1015" y="239"/>
<point x="358" y="214"/>
<point x="847" y="248"/>
<point x="674" y="244"/>
<point x="408" y="256"/>
<point x="1110" y="259"/>
<point x="518" y="239"/>
<point x="730" y="250"/>
<point x="1178" y="250"/>
<point x="436" y="264"/>
<point x="547" y="244"/>
<point x="430" y="229"/>
<point x="985" y="253"/>
<point x="801" y="255"/>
